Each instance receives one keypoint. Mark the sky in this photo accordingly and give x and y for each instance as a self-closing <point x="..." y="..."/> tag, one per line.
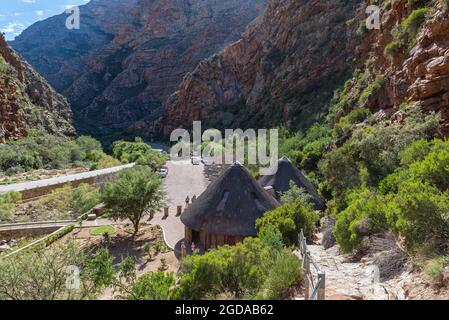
<point x="17" y="15"/>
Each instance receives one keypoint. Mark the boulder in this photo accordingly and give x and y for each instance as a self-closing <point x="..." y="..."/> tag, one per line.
<point x="327" y="225"/>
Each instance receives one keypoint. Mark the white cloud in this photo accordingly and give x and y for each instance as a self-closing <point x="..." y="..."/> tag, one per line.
<point x="29" y="1"/>
<point x="40" y="13"/>
<point x="13" y="27"/>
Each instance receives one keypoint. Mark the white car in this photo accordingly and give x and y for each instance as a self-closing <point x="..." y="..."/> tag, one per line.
<point x="163" y="172"/>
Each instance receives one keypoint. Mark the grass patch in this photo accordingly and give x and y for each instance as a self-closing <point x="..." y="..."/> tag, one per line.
<point x="102" y="230"/>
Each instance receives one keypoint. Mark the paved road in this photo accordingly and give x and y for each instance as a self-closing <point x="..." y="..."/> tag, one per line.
<point x="184" y="179"/>
<point x="58" y="180"/>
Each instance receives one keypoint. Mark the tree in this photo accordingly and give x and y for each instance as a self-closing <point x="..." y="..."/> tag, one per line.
<point x="135" y="192"/>
<point x="63" y="272"/>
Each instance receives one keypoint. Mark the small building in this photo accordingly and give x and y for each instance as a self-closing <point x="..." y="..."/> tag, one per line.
<point x="226" y="212"/>
<point x="280" y="182"/>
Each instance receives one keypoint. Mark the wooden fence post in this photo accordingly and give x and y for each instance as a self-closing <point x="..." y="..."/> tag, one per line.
<point x="322" y="288"/>
<point x="306" y="266"/>
<point x="166" y="212"/>
<point x="179" y="210"/>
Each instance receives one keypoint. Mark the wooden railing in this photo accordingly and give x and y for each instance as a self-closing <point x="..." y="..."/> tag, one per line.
<point x="315" y="281"/>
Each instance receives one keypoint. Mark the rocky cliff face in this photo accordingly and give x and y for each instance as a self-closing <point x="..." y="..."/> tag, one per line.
<point x="283" y="70"/>
<point x="27" y="100"/>
<point x="289" y="61"/>
<point x="418" y="72"/>
<point x="129" y="55"/>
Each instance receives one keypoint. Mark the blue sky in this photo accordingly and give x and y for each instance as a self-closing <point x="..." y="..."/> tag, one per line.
<point x="16" y="15"/>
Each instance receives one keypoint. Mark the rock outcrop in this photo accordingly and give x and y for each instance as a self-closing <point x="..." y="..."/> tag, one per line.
<point x="289" y="61"/>
<point x="27" y="100"/>
<point x="128" y="56"/>
<point x="283" y="70"/>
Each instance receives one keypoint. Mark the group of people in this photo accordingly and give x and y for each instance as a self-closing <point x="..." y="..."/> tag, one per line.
<point x="188" y="199"/>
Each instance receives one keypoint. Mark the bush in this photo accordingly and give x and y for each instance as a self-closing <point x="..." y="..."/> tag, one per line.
<point x="8" y="203"/>
<point x="154" y="286"/>
<point x="238" y="271"/>
<point x="40" y="150"/>
<point x="422" y="215"/>
<point x="285" y="272"/>
<point x="366" y="214"/>
<point x="139" y="152"/>
<point x="289" y="219"/>
<point x="414" y="21"/>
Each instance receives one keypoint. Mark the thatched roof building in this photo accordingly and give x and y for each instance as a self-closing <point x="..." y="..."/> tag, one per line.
<point x="227" y="210"/>
<point x="287" y="172"/>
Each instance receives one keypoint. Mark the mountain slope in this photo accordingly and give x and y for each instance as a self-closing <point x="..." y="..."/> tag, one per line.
<point x="27" y="100"/>
<point x="284" y="69"/>
<point x="128" y="56"/>
<point x="289" y="61"/>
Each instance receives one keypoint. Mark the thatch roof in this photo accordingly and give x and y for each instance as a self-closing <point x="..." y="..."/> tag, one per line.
<point x="287" y="172"/>
<point x="230" y="205"/>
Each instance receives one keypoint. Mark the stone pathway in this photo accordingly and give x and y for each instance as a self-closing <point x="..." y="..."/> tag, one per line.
<point x="348" y="280"/>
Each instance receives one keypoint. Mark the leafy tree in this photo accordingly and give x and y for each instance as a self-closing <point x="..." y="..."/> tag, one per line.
<point x="135" y="192"/>
<point x="139" y="152"/>
<point x="43" y="274"/>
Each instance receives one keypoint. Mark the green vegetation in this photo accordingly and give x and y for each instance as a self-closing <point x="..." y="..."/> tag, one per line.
<point x="139" y="152"/>
<point x="289" y="219"/>
<point x="67" y="202"/>
<point x="245" y="270"/>
<point x="40" y="150"/>
<point x="43" y="274"/>
<point x="135" y="192"/>
<point x="8" y="203"/>
<point x="413" y="22"/>
<point x="99" y="231"/>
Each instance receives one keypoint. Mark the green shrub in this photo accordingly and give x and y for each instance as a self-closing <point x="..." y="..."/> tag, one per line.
<point x="285" y="272"/>
<point x="422" y="215"/>
<point x="8" y="203"/>
<point x="414" y="21"/>
<point x="154" y="286"/>
<point x="366" y="214"/>
<point x="289" y="219"/>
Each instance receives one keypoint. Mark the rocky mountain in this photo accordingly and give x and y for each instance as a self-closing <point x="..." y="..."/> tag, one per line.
<point x="27" y="100"/>
<point x="129" y="55"/>
<point x="283" y="70"/>
<point x="289" y="61"/>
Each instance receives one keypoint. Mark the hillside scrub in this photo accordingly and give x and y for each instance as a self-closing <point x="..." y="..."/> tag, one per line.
<point x="8" y="203"/>
<point x="42" y="150"/>
<point x="140" y="152"/>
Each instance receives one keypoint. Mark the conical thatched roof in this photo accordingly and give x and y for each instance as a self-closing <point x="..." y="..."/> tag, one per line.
<point x="230" y="205"/>
<point x="287" y="172"/>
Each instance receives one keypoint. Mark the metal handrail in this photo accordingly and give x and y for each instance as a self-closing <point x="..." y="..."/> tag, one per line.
<point x="318" y="289"/>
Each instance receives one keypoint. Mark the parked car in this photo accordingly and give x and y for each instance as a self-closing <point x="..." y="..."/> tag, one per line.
<point x="163" y="172"/>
